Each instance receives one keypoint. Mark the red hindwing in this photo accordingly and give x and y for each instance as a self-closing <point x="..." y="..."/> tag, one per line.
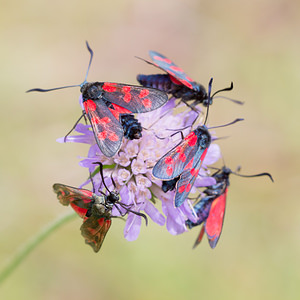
<point x="79" y="199"/>
<point x="214" y="223"/>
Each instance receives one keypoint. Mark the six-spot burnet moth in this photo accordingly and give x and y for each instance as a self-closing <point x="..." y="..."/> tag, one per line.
<point x="105" y="104"/>
<point x="96" y="210"/>
<point x="181" y="165"/>
<point x="210" y="210"/>
<point x="177" y="83"/>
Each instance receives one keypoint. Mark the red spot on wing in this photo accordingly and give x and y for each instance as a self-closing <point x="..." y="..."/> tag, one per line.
<point x="113" y="137"/>
<point x="190" y="164"/>
<point x="97" y="120"/>
<point x="102" y="135"/>
<point x="169" y="170"/>
<point x="89" y="105"/>
<point x="182" y="157"/>
<point x="126" y="89"/>
<point x="176" y="69"/>
<point x="109" y="87"/>
<point x="169" y="160"/>
<point x="181" y="189"/>
<point x="188" y="187"/>
<point x="127" y="97"/>
<point x="191" y="139"/>
<point x="166" y="60"/>
<point x="101" y="221"/>
<point x="144" y="93"/>
<point x="194" y="172"/>
<point x="179" y="149"/>
<point x="147" y="103"/>
<point x="203" y="154"/>
<point x="105" y="120"/>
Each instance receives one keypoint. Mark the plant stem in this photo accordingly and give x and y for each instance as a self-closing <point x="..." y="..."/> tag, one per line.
<point x="23" y="252"/>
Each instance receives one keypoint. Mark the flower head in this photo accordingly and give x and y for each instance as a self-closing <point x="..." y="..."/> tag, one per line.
<point x="130" y="170"/>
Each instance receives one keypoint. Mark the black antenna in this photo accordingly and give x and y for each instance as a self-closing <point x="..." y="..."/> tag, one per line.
<point x="68" y="86"/>
<point x="238" y="168"/>
<point x="102" y="176"/>
<point x="91" y="179"/>
<point x="230" y="99"/>
<point x="256" y="175"/>
<point x="235" y="121"/>
<point x="223" y="90"/>
<point x="90" y="62"/>
<point x="209" y="99"/>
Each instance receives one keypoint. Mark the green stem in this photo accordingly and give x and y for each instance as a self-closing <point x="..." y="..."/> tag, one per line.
<point x="22" y="253"/>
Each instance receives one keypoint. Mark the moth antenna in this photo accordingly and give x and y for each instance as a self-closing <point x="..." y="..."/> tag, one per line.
<point x="49" y="90"/>
<point x="90" y="62"/>
<point x="235" y="121"/>
<point x="230" y="99"/>
<point x="67" y="86"/>
<point x="91" y="179"/>
<point x="223" y="90"/>
<point x="256" y="175"/>
<point x="102" y="176"/>
<point x="112" y="180"/>
<point x="209" y="98"/>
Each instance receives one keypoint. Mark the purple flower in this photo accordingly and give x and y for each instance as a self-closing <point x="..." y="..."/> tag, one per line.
<point x="131" y="168"/>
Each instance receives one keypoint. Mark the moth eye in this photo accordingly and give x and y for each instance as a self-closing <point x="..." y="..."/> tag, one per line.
<point x="203" y="141"/>
<point x="93" y="92"/>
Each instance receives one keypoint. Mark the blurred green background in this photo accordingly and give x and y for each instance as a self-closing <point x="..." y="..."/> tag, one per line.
<point x="255" y="44"/>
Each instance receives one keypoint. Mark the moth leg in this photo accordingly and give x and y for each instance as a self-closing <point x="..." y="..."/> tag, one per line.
<point x="83" y="115"/>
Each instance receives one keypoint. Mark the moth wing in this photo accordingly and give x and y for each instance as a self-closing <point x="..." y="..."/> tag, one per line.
<point x="79" y="199"/>
<point x="168" y="66"/>
<point x="107" y="129"/>
<point x="199" y="238"/>
<point x="173" y="162"/>
<point x="188" y="177"/>
<point x="135" y="99"/>
<point x="215" y="220"/>
<point x="94" y="230"/>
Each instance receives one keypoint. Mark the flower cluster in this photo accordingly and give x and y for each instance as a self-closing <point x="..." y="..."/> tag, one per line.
<point x="131" y="168"/>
